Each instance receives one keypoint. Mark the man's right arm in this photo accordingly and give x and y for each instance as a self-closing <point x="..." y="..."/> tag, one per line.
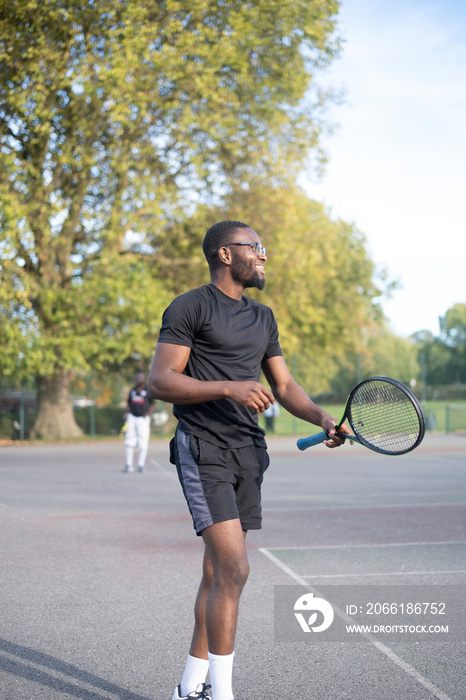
<point x="168" y="383"/>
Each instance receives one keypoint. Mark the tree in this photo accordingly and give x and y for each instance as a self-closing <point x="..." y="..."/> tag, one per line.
<point x="447" y="357"/>
<point x="117" y="119"/>
<point x="444" y="356"/>
<point x="392" y="356"/>
<point x="453" y="327"/>
<point x="380" y="353"/>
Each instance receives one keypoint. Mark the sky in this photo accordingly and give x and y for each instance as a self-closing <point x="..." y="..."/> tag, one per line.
<point x="397" y="157"/>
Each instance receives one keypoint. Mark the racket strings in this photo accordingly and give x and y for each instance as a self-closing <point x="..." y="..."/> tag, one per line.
<point x="385" y="416"/>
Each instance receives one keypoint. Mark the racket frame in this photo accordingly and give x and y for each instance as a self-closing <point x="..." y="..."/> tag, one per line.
<point x="304" y="443"/>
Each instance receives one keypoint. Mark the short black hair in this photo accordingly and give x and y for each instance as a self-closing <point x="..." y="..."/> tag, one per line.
<point x="216" y="237"/>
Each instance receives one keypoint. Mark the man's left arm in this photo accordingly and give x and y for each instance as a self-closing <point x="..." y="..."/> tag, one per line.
<point x="294" y="399"/>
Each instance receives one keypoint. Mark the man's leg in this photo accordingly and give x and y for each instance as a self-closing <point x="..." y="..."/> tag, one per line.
<point x="226" y="549"/>
<point x="197" y="665"/>
<point x="216" y="609"/>
<point x="200" y="645"/>
<point x="227" y="552"/>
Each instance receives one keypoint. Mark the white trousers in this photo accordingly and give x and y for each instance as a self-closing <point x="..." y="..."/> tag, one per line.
<point x="137" y="435"/>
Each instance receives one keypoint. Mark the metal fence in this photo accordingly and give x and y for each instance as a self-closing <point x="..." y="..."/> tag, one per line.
<point x="455" y="418"/>
<point x="18" y="412"/>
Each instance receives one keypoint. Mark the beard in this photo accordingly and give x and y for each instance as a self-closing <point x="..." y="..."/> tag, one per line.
<point x="257" y="281"/>
<point x="241" y="272"/>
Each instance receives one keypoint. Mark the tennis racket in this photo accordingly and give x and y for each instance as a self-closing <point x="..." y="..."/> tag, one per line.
<point x="384" y="416"/>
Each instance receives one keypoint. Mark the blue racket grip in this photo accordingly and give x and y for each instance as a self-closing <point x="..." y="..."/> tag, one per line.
<point x="304" y="443"/>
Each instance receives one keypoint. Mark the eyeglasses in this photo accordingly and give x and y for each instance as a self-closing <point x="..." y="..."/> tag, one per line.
<point x="257" y="247"/>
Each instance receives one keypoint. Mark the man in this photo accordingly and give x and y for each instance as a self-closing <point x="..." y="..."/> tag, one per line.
<point x="139" y="408"/>
<point x="212" y="346"/>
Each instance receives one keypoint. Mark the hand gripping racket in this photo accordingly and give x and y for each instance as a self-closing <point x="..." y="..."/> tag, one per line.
<point x="384" y="416"/>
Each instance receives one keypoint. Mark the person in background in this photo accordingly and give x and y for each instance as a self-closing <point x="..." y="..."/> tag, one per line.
<point x="139" y="408"/>
<point x="270" y="413"/>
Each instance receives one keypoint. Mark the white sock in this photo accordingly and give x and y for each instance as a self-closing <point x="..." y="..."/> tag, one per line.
<point x="195" y="672"/>
<point x="221" y="671"/>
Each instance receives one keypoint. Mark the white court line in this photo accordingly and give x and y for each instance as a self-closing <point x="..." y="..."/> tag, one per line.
<point x="364" y="546"/>
<point x="381" y="647"/>
<point x="391" y="573"/>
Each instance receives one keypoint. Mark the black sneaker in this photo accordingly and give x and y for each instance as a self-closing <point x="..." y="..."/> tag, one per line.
<point x="201" y="693"/>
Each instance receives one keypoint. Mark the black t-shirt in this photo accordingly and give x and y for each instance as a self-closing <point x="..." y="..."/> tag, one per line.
<point x="139" y="401"/>
<point x="229" y="339"/>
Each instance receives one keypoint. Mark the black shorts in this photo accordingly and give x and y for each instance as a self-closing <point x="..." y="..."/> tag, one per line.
<point x="220" y="484"/>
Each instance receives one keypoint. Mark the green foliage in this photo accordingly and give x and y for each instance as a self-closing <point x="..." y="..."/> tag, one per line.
<point x="445" y="356"/>
<point x="105" y="421"/>
<point x="391" y="356"/>
<point x="118" y="117"/>
<point x="382" y="353"/>
<point x="453" y="328"/>
<point x="7" y="429"/>
<point x="99" y="323"/>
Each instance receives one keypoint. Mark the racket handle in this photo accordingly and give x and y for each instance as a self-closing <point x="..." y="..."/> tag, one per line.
<point x="304" y="443"/>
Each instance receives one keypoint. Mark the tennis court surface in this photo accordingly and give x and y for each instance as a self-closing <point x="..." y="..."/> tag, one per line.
<point x="99" y="571"/>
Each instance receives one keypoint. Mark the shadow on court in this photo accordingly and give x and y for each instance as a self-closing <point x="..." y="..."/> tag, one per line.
<point x="100" y="569"/>
<point x="54" y="674"/>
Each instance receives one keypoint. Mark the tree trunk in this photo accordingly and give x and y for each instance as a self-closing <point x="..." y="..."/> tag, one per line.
<point x="55" y="418"/>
